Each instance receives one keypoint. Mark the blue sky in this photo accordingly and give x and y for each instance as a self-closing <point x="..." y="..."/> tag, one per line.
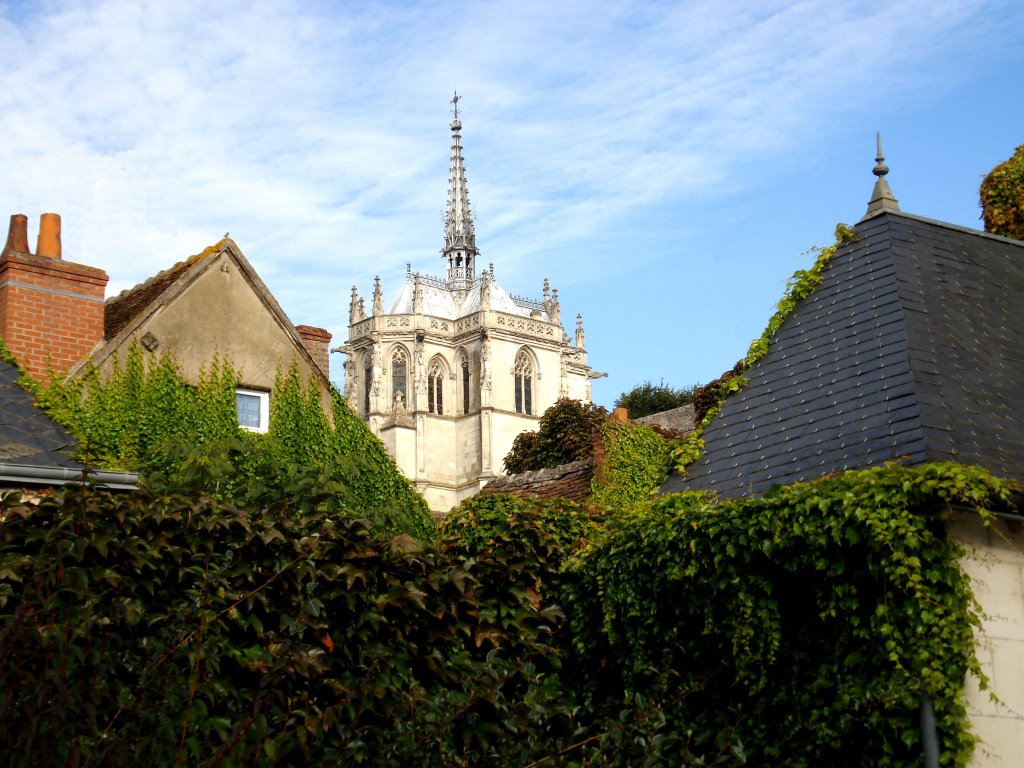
<point x="666" y="165"/>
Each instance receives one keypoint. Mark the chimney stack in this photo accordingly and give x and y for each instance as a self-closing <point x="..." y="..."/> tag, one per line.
<point x="317" y="342"/>
<point x="17" y="235"/>
<point x="49" y="236"/>
<point x="51" y="310"/>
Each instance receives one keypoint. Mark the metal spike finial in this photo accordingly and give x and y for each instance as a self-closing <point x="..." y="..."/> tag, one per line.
<point x="880" y="168"/>
<point x="882" y="198"/>
<point x="455" y="102"/>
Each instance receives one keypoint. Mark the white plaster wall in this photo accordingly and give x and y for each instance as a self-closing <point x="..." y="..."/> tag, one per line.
<point x="440" y="454"/>
<point x="995" y="564"/>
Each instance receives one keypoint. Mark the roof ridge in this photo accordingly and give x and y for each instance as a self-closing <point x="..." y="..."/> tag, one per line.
<point x="120" y="310"/>
<point x="194" y="258"/>
<point x="949" y="225"/>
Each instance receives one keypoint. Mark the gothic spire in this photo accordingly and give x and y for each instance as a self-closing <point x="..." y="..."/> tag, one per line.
<point x="460" y="249"/>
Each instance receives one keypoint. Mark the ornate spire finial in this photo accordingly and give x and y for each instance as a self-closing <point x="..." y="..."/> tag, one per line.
<point x="460" y="249"/>
<point x="417" y="296"/>
<point x="353" y="308"/>
<point x="581" y="339"/>
<point x="882" y="198"/>
<point x="378" y="297"/>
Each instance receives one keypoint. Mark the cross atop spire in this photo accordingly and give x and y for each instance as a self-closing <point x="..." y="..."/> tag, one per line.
<point x="460" y="249"/>
<point x="882" y="199"/>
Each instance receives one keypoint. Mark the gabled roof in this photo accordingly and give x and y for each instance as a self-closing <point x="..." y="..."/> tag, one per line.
<point x="127" y="305"/>
<point x="911" y="349"/>
<point x="34" y="449"/>
<point x="125" y="313"/>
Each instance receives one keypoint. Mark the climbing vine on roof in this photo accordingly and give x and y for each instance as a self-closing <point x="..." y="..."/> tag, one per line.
<point x="709" y="398"/>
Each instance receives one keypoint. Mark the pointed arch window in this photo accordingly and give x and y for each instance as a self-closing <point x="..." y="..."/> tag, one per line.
<point x="524" y="374"/>
<point x="464" y="373"/>
<point x="435" y="387"/>
<point x="399" y="374"/>
<point x="367" y="381"/>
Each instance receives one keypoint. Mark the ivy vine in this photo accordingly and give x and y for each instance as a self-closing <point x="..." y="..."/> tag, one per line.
<point x="804" y="624"/>
<point x="708" y="400"/>
<point x="144" y="415"/>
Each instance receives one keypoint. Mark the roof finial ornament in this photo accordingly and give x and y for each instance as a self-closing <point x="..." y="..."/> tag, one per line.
<point x="455" y="102"/>
<point x="882" y="198"/>
<point x="880" y="167"/>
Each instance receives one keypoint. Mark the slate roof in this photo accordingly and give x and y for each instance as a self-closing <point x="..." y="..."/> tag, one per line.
<point x="35" y="450"/>
<point x="911" y="349"/>
<point x="27" y="435"/>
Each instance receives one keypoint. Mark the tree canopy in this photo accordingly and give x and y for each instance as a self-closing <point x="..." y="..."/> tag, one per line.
<point x="1002" y="197"/>
<point x="647" y="398"/>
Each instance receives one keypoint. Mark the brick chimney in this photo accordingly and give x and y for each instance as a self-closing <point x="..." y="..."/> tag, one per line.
<point x="51" y="310"/>
<point x="317" y="342"/>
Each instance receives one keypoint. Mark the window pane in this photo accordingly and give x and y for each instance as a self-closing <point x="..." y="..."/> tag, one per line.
<point x="248" y="407"/>
<point x="398" y="377"/>
<point x="519" y="394"/>
<point x="465" y="386"/>
<point x="368" y="384"/>
<point x="528" y="395"/>
<point x="438" y="394"/>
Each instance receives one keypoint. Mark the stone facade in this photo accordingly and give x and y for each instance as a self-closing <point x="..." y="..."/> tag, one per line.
<point x="457" y="367"/>
<point x="681" y="419"/>
<point x="995" y="564"/>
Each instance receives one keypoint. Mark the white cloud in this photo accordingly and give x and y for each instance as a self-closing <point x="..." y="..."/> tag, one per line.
<point x="316" y="133"/>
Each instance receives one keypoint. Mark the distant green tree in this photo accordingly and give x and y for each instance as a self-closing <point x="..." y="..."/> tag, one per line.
<point x="1002" y="197"/>
<point x="647" y="398"/>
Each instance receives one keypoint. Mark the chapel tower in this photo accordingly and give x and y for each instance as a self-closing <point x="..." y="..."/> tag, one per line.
<point x="457" y="367"/>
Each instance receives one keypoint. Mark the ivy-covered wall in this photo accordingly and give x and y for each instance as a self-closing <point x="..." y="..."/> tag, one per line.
<point x="631" y="459"/>
<point x="143" y="415"/>
<point x="796" y="630"/>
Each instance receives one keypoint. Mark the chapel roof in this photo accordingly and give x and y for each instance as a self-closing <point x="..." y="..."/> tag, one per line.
<point x="441" y="301"/>
<point x="910" y="350"/>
